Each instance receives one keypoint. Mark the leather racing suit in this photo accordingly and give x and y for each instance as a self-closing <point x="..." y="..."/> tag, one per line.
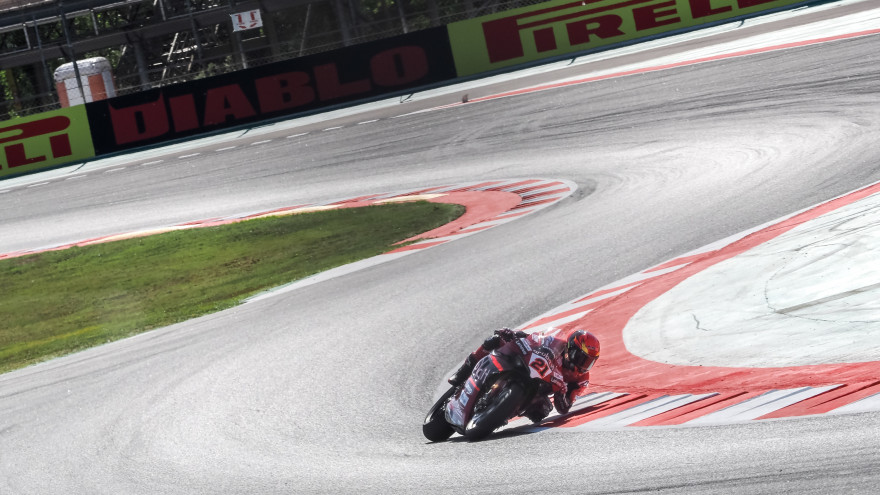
<point x="564" y="392"/>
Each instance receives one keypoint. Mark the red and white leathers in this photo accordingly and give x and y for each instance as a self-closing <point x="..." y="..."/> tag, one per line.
<point x="573" y="382"/>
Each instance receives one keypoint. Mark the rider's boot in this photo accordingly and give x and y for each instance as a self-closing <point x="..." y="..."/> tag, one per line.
<point x="539" y="409"/>
<point x="459" y="377"/>
<point x="489" y="345"/>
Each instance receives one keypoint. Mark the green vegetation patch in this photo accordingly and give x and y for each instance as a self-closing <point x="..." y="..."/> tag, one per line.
<point x="62" y="301"/>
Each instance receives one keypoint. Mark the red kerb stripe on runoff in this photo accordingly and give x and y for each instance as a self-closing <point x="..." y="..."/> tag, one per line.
<point x="600" y="410"/>
<point x="827" y="401"/>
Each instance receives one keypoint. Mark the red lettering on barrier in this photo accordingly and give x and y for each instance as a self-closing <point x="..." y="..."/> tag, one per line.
<point x="607" y="26"/>
<point x="399" y="66"/>
<point x="16" y="156"/>
<point x="331" y="88"/>
<point x="503" y="36"/>
<point x="284" y="91"/>
<point x="703" y="8"/>
<point x="545" y="40"/>
<point x="139" y="122"/>
<point x="649" y="17"/>
<point x="227" y="104"/>
<point x="502" y="39"/>
<point x="60" y="145"/>
<point x="36" y="128"/>
<point x="16" y="153"/>
<point x="183" y="113"/>
<point x="224" y="102"/>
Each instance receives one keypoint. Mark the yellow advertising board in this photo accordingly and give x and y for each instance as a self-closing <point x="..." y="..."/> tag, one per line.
<point x="560" y="27"/>
<point x="44" y="140"/>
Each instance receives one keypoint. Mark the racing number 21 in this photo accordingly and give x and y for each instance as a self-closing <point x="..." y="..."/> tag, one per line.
<point x="539" y="365"/>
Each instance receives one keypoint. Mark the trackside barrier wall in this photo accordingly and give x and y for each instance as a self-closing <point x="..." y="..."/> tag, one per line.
<point x="51" y="138"/>
<point x="562" y="27"/>
<point x="354" y="74"/>
<point x="269" y="91"/>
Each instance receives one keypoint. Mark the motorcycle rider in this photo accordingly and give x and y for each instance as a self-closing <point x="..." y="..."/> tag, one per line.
<point x="575" y="351"/>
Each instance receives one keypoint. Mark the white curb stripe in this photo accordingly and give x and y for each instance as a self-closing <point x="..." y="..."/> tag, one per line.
<point x="759" y="406"/>
<point x="549" y="187"/>
<point x="584" y="402"/>
<point x="644" y="410"/>
<point x="868" y="404"/>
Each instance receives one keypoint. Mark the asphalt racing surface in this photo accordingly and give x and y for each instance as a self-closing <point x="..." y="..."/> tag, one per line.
<point x="323" y="389"/>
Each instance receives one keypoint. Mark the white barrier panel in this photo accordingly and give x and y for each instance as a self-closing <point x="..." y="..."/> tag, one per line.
<point x="96" y="76"/>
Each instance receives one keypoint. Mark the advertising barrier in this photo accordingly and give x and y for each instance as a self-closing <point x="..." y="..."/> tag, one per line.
<point x="560" y="27"/>
<point x="352" y="74"/>
<point x="44" y="140"/>
<point x="274" y="90"/>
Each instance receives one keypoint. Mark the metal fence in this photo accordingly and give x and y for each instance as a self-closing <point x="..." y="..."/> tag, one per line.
<point x="153" y="43"/>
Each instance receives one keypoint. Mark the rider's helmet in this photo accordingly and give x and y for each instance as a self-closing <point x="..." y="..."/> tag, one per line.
<point x="582" y="350"/>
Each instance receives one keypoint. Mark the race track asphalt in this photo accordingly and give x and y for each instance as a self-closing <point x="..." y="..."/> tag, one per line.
<point x="322" y="390"/>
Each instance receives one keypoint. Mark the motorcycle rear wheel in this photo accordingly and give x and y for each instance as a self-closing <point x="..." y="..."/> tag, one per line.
<point x="435" y="428"/>
<point x="509" y="396"/>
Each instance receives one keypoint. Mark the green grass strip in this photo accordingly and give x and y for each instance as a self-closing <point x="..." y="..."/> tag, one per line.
<point x="58" y="302"/>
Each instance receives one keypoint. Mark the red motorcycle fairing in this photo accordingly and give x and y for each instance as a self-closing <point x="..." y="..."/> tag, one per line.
<point x="461" y="405"/>
<point x="519" y="358"/>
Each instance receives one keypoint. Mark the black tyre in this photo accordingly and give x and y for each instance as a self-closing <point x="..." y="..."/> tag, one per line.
<point x="435" y="428"/>
<point x="497" y="404"/>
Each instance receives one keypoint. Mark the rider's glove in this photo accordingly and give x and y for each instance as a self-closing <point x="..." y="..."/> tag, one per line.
<point x="508" y="334"/>
<point x="492" y="343"/>
<point x="565" y="398"/>
<point x="562" y="402"/>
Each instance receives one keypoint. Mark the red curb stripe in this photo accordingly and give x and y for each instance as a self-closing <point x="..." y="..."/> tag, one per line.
<point x="359" y="198"/>
<point x="475" y="229"/>
<point x="505" y="216"/>
<point x="623" y="369"/>
<point x="602" y="410"/>
<point x="827" y="401"/>
<point x="545" y="193"/>
<point x="416" y="247"/>
<point x="480" y="206"/>
<point x="429" y="190"/>
<point x="535" y="203"/>
<point x="609" y="291"/>
<point x="687" y="412"/>
<point x="684" y="260"/>
<point x="485" y="201"/>
<point x="521" y="192"/>
<point x="480" y="185"/>
<point x="536" y="182"/>
<point x="507" y="187"/>
<point x="209" y="220"/>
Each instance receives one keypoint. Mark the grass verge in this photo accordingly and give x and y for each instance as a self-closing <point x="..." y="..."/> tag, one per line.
<point x="58" y="302"/>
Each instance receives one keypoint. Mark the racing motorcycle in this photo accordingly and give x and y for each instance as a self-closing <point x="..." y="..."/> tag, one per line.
<point x="502" y="386"/>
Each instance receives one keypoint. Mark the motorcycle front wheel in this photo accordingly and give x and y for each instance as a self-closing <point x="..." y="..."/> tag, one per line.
<point x="495" y="406"/>
<point x="435" y="428"/>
